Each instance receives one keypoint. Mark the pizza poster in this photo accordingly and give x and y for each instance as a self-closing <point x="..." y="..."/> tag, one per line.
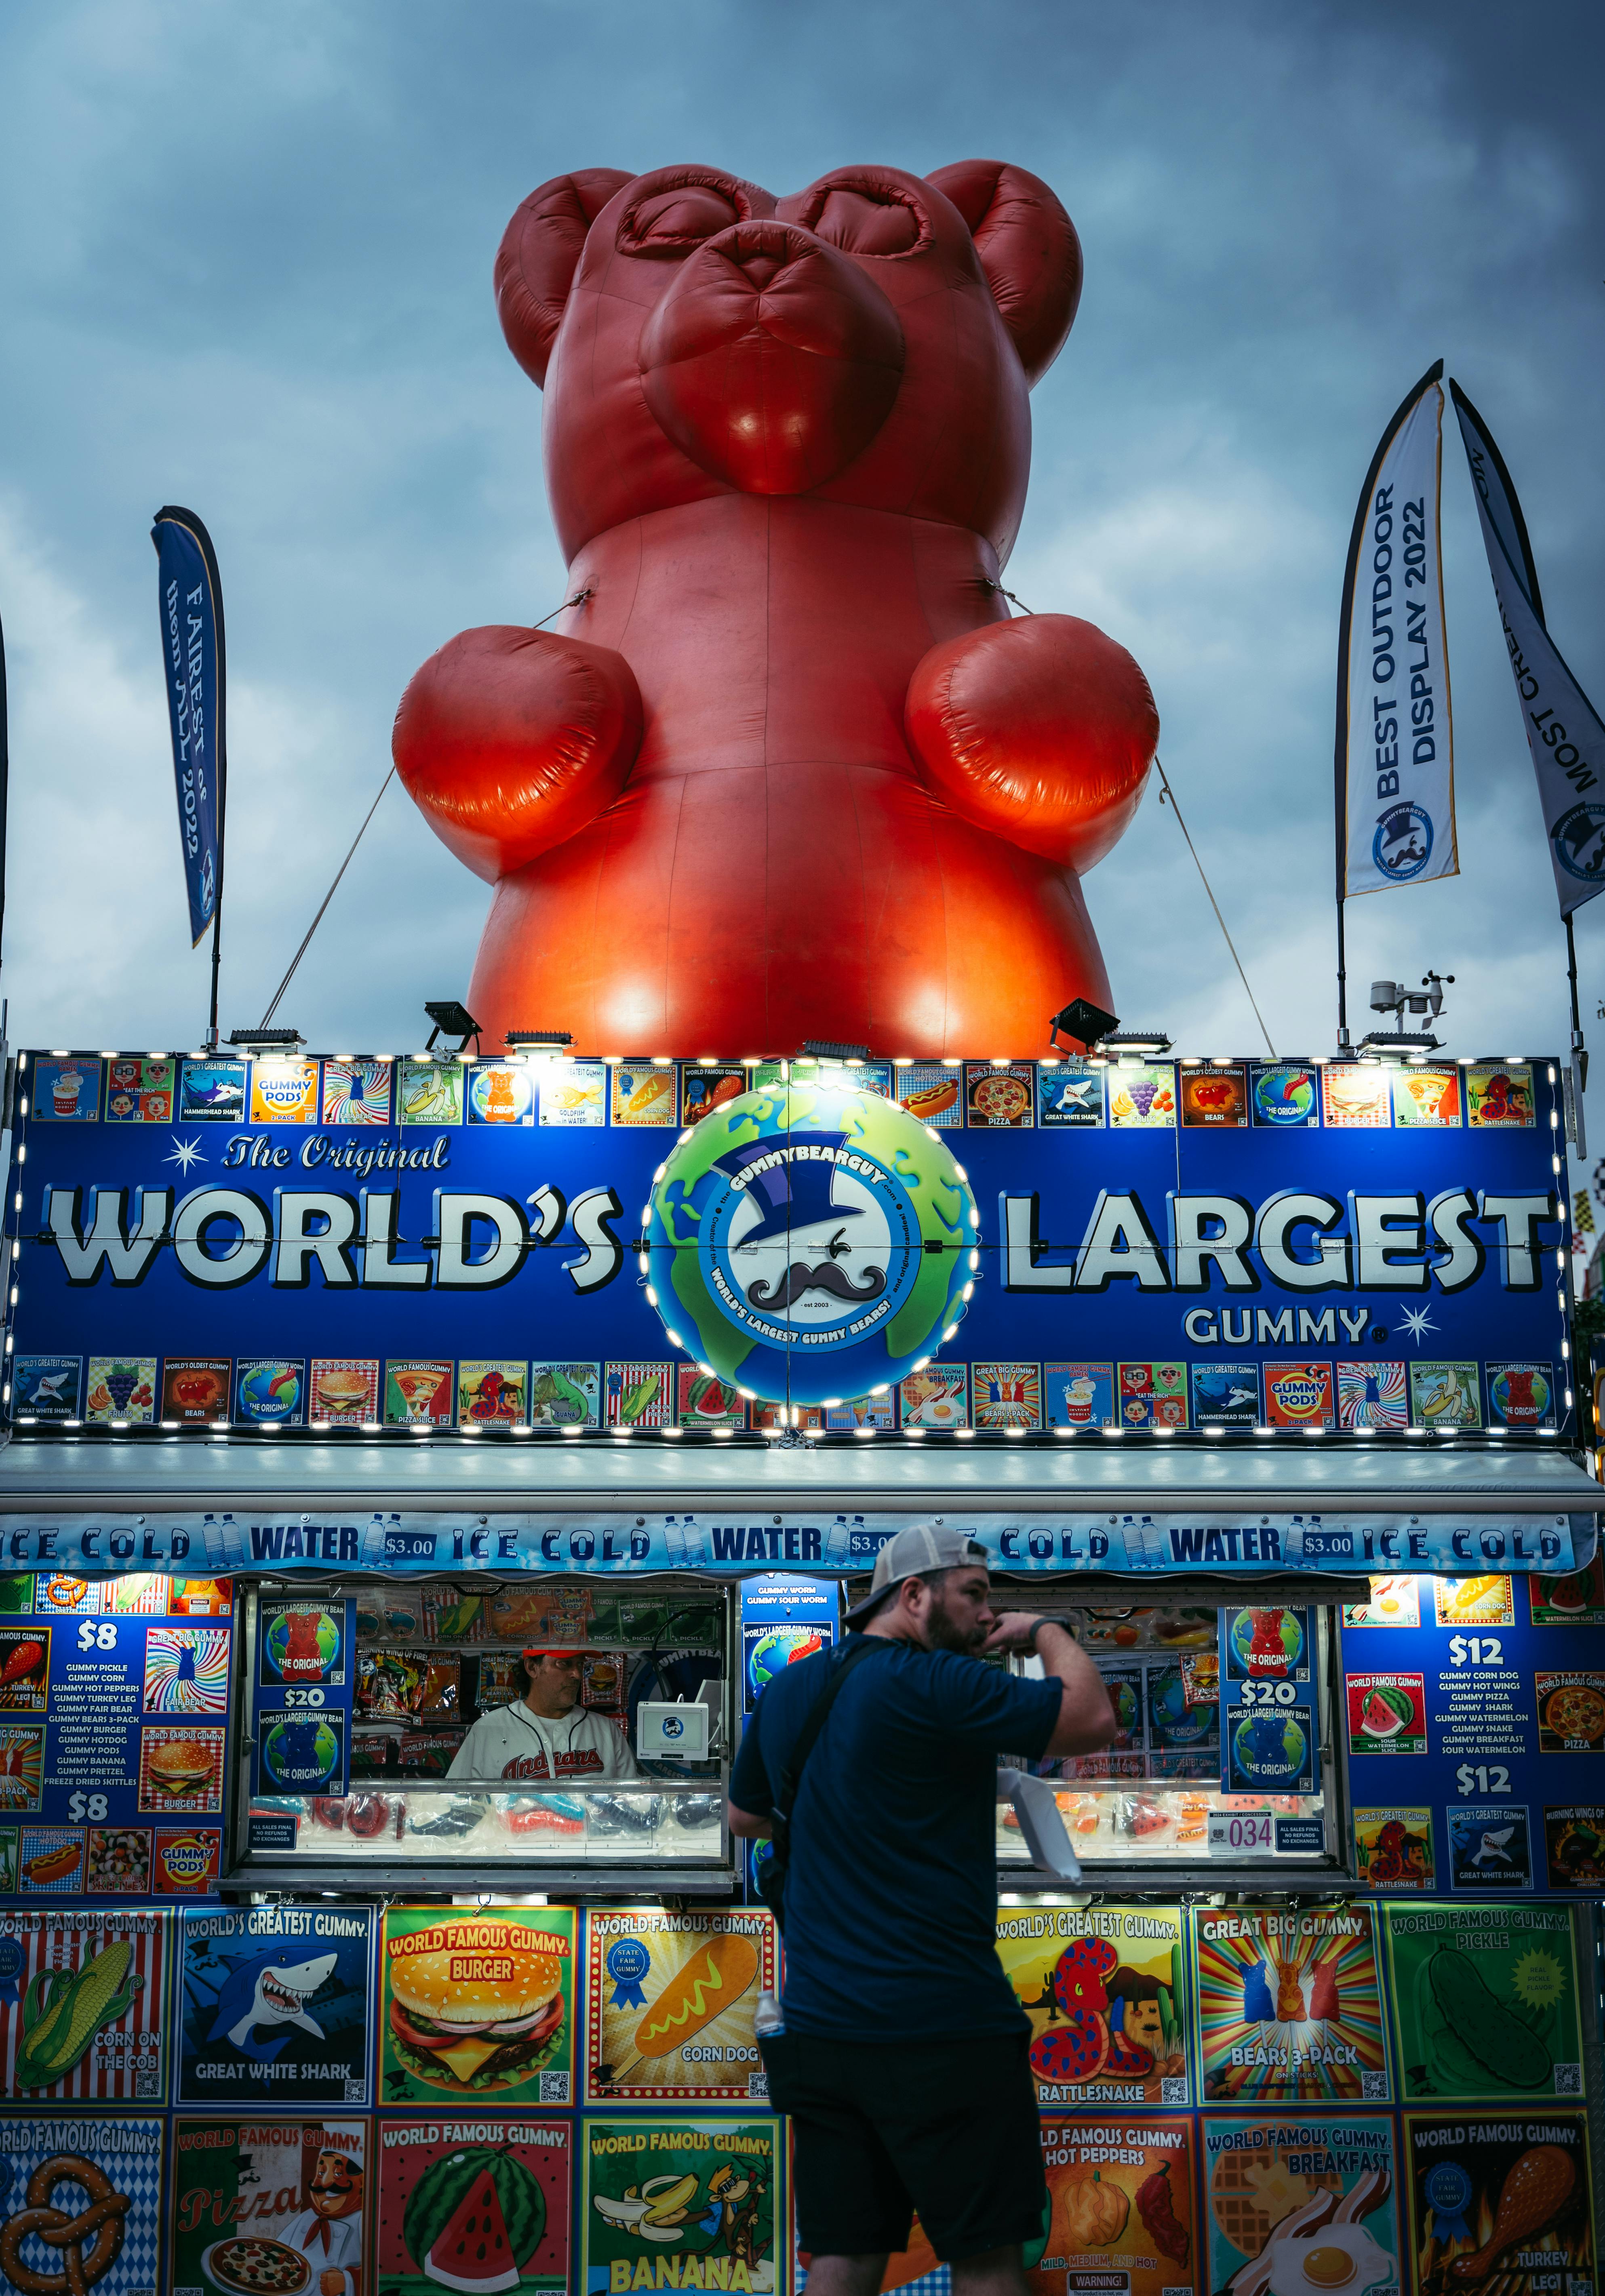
<point x="667" y="2201"/>
<point x="443" y="2181"/>
<point x="273" y="2004"/>
<point x="1486" y="2001"/>
<point x="1104" y="1988"/>
<point x="1499" y="2202"/>
<point x="1297" y="2206"/>
<point x="476" y="2006"/>
<point x="97" y="2177"/>
<point x="1120" y="2207"/>
<point x="84" y="2007"/>
<point x="1289" y="2005"/>
<point x="670" y="2003"/>
<point x="265" y="2207"/>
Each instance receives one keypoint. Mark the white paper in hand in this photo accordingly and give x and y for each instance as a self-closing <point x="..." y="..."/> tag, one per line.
<point x="1036" y="1807"/>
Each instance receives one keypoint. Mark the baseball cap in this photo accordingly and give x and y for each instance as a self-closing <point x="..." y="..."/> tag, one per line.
<point x="909" y="1554"/>
<point x="550" y="1650"/>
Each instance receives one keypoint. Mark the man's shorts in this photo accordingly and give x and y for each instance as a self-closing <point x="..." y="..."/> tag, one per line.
<point x="885" y="2130"/>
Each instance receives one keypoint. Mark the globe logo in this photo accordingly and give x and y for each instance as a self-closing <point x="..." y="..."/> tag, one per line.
<point x="780" y="1648"/>
<point x="1269" y="1749"/>
<point x="1284" y="1095"/>
<point x="811" y="1243"/>
<point x="300" y="1754"/>
<point x="302" y="1644"/>
<point x="1267" y="1644"/>
<point x="271" y="1391"/>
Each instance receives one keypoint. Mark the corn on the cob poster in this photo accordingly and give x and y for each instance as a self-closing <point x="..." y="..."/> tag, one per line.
<point x="478" y="2204"/>
<point x="1120" y="2207"/>
<point x="1103" y="1988"/>
<point x="1301" y="2207"/>
<point x="275" y="2006"/>
<point x="80" y="2203"/>
<point x="84" y="2007"/>
<point x="1484" y="2001"/>
<point x="477" y="2008"/>
<point x="669" y="2000"/>
<point x="1289" y="2005"/>
<point x="673" y="2203"/>
<point x="1500" y="2203"/>
<point x="264" y="2207"/>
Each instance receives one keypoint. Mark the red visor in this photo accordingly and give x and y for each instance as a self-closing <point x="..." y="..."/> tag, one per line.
<point x="550" y="1650"/>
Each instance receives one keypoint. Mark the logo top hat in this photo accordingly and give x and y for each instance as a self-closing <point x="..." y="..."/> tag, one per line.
<point x="797" y="1193"/>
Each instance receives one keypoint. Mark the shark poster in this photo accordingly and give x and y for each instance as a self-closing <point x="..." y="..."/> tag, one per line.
<point x="275" y="2006"/>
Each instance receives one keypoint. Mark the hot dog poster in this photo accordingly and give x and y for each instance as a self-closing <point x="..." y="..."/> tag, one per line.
<point x="669" y="2001"/>
<point x="444" y="2182"/>
<point x="696" y="2202"/>
<point x="1485" y="2001"/>
<point x="1104" y="1988"/>
<point x="1298" y="2207"/>
<point x="84" y="2007"/>
<point x="264" y="2207"/>
<point x="477" y="2006"/>
<point x="1289" y="2005"/>
<point x="1499" y="2203"/>
<point x="1120" y="2207"/>
<point x="275" y="2004"/>
<point x="94" y="2182"/>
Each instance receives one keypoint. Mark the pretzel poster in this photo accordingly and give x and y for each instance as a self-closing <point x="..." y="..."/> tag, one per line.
<point x="92" y="2184"/>
<point x="670" y="2001"/>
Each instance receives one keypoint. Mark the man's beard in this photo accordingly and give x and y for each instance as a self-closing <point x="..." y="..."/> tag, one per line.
<point x="944" y="1631"/>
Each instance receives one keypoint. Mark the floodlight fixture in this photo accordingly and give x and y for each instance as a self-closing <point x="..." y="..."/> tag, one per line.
<point x="820" y="1048"/>
<point x="537" y="1040"/>
<point x="1137" y="1040"/>
<point x="266" y="1040"/>
<point x="451" y="1019"/>
<point x="1086" y="1023"/>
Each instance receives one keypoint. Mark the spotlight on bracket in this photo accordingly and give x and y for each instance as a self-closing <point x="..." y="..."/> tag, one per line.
<point x="451" y="1019"/>
<point x="266" y="1040"/>
<point x="537" y="1040"/>
<point x="820" y="1048"/>
<point x="1088" y="1024"/>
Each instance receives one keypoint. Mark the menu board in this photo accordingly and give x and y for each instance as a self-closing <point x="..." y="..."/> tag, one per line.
<point x="84" y="2007"/>
<point x="59" y="2170"/>
<point x="114" y="1723"/>
<point x="439" y="2179"/>
<point x="1500" y="2203"/>
<point x="1484" y="2001"/>
<point x="1289" y="2005"/>
<point x="477" y="2008"/>
<point x="269" y="2208"/>
<point x="300" y="1695"/>
<point x="1297" y="2206"/>
<point x="1103" y="1988"/>
<point x="1269" y="1743"/>
<point x="1119" y="2193"/>
<point x="668" y="2191"/>
<point x="275" y="2004"/>
<point x="670" y="2003"/>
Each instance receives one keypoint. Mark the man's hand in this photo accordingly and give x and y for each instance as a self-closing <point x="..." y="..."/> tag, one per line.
<point x="1013" y="1631"/>
<point x="1086" y="1720"/>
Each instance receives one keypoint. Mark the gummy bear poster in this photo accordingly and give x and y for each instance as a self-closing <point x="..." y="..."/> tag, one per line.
<point x="1313" y="2202"/>
<point x="440" y="2177"/>
<point x="1485" y="2001"/>
<point x="695" y="2201"/>
<point x="1104" y="1988"/>
<point x="1289" y="2006"/>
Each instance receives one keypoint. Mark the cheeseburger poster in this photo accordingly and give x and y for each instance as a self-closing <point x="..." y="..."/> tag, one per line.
<point x="84" y="2007"/>
<point x="477" y="2008"/>
<point x="263" y="2207"/>
<point x="673" y="2203"/>
<point x="274" y="2005"/>
<point x="1287" y="2006"/>
<point x="446" y="2182"/>
<point x="670" y="1999"/>
<point x="1103" y="1988"/>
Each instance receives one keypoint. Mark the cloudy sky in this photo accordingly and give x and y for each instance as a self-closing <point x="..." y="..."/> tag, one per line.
<point x="245" y="265"/>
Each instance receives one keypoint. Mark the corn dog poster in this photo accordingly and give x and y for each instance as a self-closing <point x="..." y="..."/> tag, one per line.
<point x="84" y="2007"/>
<point x="1103" y="1988"/>
<point x="1288" y="2009"/>
<point x="673" y="2203"/>
<point x="669" y="2002"/>
<point x="1499" y="2203"/>
<point x="92" y="2182"/>
<point x="1484" y="2001"/>
<point x="477" y="2006"/>
<point x="1301" y="2207"/>
<point x="1120" y="2207"/>
<point x="478" y="2204"/>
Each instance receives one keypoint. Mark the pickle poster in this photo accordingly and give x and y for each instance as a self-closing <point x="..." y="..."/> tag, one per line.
<point x="1289" y="2005"/>
<point x="262" y="2204"/>
<point x="102" y="2174"/>
<point x="477" y="2006"/>
<point x="1103" y="1988"/>
<point x="1499" y="2202"/>
<point x="1313" y="2203"/>
<point x="83" y="2006"/>
<point x="1485" y="2001"/>
<point x="275" y="2004"/>
<point x="670" y="2003"/>
<point x="442" y="2180"/>
<point x="1120" y="2207"/>
<point x="673" y="2203"/>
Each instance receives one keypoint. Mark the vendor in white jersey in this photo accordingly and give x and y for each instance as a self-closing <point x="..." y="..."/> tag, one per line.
<point x="547" y="1734"/>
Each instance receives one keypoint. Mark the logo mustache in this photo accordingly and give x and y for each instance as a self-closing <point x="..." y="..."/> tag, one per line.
<point x="827" y="1276"/>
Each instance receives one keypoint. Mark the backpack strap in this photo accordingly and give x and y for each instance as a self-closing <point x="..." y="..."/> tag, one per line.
<point x="843" y="1660"/>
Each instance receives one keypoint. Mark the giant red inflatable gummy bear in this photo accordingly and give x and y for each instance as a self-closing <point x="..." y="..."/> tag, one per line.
<point x="787" y="769"/>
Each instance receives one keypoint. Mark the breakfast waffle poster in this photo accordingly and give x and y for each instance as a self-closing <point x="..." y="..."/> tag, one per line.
<point x="84" y="2007"/>
<point x="1103" y="1988"/>
<point x="1297" y="2206"/>
<point x="671" y="2202"/>
<point x="263" y="2207"/>
<point x="1499" y="2203"/>
<point x="1120" y="2219"/>
<point x="443" y="2182"/>
<point x="275" y="2004"/>
<point x="1484" y="2001"/>
<point x="669" y="2001"/>
<point x="1289" y="2006"/>
<point x="97" y="2177"/>
<point x="476" y="2006"/>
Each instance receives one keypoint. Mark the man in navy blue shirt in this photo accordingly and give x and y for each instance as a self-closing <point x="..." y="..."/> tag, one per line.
<point x="902" y="2060"/>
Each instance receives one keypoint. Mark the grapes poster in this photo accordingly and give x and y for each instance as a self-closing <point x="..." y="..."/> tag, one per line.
<point x="1485" y="2001"/>
<point x="670" y="2003"/>
<point x="1289" y="2005"/>
<point x="478" y="2204"/>
<point x="698" y="2203"/>
<point x="1499" y="2202"/>
<point x="1103" y="1986"/>
<point x="1297" y="2206"/>
<point x="262" y="2204"/>
<point x="1120" y="2213"/>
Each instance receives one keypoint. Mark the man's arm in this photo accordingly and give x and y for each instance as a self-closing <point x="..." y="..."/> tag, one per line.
<point x="746" y="1825"/>
<point x="1086" y="1717"/>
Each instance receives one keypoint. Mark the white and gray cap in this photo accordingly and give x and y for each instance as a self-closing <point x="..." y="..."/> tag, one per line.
<point x="911" y="1553"/>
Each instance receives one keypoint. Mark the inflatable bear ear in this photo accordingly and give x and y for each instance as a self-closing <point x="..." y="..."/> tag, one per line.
<point x="1028" y="250"/>
<point x="539" y="253"/>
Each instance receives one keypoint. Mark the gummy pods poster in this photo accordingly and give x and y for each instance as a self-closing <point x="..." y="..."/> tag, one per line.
<point x="670" y="2000"/>
<point x="697" y="2202"/>
<point x="265" y="2207"/>
<point x="1120" y="2207"/>
<point x="84" y="2007"/>
<point x="100" y="2173"/>
<point x="1484" y="2001"/>
<point x="1289" y="2005"/>
<point x="1499" y="2203"/>
<point x="274" y="2005"/>
<point x="443" y="2183"/>
<point x="1297" y="2206"/>
<point x="477" y="2008"/>
<point x="1103" y="1988"/>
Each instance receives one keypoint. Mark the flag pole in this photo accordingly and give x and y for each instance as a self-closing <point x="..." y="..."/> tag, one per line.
<point x="1578" y="1048"/>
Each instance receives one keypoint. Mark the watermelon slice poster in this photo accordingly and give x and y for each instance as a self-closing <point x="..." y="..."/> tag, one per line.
<point x="1103" y="1988"/>
<point x="666" y="2202"/>
<point x="1386" y="1713"/>
<point x="264" y="2204"/>
<point x="480" y="2205"/>
<point x="1484" y="2001"/>
<point x="476" y="2007"/>
<point x="670" y="2004"/>
<point x="1289" y="2005"/>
